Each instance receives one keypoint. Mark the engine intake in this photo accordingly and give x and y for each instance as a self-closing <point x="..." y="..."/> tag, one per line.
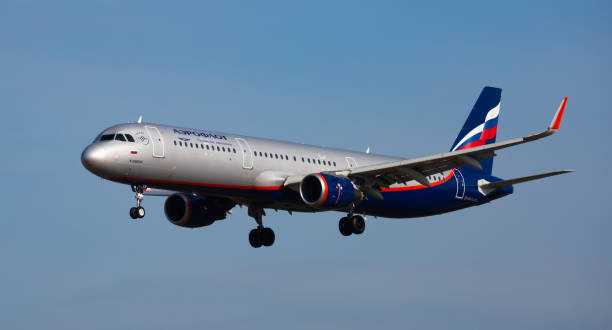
<point x="195" y="211"/>
<point x="327" y="191"/>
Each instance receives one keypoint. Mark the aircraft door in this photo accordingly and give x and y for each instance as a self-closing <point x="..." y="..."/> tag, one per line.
<point x="351" y="162"/>
<point x="157" y="140"/>
<point x="247" y="154"/>
<point x="460" y="184"/>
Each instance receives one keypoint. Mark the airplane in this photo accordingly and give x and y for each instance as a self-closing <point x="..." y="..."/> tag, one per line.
<point x="204" y="174"/>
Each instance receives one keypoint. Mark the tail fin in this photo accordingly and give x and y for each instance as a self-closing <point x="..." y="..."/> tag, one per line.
<point x="480" y="128"/>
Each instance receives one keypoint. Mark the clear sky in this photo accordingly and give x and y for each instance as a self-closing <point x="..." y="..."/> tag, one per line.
<point x="394" y="76"/>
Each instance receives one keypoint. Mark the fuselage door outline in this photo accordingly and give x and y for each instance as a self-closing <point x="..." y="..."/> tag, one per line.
<point x="351" y="162"/>
<point x="247" y="156"/>
<point x="157" y="140"/>
<point x="460" y="184"/>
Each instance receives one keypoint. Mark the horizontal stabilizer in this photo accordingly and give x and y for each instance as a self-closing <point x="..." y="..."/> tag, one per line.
<point x="503" y="183"/>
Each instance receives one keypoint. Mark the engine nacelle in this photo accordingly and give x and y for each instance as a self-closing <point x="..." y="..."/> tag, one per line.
<point x="195" y="211"/>
<point x="327" y="191"/>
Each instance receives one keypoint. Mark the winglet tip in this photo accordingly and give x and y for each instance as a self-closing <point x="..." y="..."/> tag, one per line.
<point x="556" y="122"/>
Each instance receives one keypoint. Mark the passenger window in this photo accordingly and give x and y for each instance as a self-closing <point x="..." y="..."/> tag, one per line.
<point x="318" y="160"/>
<point x="202" y="146"/>
<point x="302" y="159"/>
<point x="294" y="159"/>
<point x="180" y="143"/>
<point x="255" y="153"/>
<point x="266" y="154"/>
<point x="107" y="137"/>
<point x="260" y="154"/>
<point x="174" y="142"/>
<point x="276" y="156"/>
<point x="129" y="138"/>
<point x="308" y="160"/>
<point x="234" y="150"/>
<point x="197" y="146"/>
<point x="191" y="144"/>
<point x="223" y="149"/>
<point x="334" y="163"/>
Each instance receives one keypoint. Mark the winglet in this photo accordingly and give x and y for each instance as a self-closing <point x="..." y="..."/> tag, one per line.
<point x="556" y="122"/>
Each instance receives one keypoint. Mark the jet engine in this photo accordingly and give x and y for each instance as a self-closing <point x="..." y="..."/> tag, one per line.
<point x="195" y="211"/>
<point x="328" y="191"/>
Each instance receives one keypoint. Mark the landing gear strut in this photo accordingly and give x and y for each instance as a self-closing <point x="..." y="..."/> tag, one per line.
<point x="351" y="224"/>
<point x="138" y="211"/>
<point x="260" y="235"/>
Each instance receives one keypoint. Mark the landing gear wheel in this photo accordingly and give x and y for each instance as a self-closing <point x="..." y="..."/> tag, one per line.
<point x="346" y="228"/>
<point x="138" y="211"/>
<point x="267" y="236"/>
<point x="260" y="235"/>
<point x="133" y="214"/>
<point x="255" y="238"/>
<point x="357" y="224"/>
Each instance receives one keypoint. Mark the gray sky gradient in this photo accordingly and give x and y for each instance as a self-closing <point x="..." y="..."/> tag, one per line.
<point x="397" y="77"/>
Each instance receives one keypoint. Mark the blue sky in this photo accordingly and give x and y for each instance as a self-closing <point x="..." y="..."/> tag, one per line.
<point x="397" y="77"/>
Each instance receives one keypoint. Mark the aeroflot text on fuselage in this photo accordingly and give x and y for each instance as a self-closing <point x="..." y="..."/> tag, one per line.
<point x="201" y="134"/>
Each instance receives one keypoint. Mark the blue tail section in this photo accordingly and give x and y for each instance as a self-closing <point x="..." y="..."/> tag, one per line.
<point x="480" y="128"/>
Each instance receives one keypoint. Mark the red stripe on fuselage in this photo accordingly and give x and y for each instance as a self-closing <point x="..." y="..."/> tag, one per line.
<point x="266" y="188"/>
<point x="199" y="184"/>
<point x="452" y="172"/>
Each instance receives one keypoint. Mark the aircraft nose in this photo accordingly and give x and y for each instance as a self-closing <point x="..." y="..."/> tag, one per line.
<point x="93" y="158"/>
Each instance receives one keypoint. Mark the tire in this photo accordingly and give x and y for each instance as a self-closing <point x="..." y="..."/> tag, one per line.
<point x="254" y="238"/>
<point x="357" y="224"/>
<point x="345" y="227"/>
<point x="133" y="214"/>
<point x="140" y="212"/>
<point x="267" y="236"/>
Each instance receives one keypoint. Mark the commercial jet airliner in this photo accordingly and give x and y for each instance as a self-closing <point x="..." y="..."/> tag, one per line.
<point x="204" y="174"/>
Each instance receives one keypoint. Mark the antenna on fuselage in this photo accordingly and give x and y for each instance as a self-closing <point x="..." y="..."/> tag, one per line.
<point x="368" y="150"/>
<point x="139" y="120"/>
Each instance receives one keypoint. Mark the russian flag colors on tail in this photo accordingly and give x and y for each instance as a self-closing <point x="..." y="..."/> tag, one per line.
<point x="480" y="128"/>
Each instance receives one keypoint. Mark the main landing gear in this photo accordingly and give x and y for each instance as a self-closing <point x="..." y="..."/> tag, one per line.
<point x="351" y="224"/>
<point x="138" y="211"/>
<point x="260" y="235"/>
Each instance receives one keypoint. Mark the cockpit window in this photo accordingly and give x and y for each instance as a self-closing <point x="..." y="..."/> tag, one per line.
<point x="129" y="138"/>
<point x="120" y="137"/>
<point x="107" y="137"/>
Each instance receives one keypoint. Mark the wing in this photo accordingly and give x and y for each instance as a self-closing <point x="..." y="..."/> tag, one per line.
<point x="372" y="178"/>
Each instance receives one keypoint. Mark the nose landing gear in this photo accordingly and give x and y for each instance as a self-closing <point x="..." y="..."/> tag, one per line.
<point x="138" y="211"/>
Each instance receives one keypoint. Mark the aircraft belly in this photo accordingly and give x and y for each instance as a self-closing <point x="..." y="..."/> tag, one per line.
<point x="414" y="203"/>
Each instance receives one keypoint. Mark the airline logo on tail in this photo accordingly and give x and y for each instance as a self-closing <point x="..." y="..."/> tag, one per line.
<point x="482" y="133"/>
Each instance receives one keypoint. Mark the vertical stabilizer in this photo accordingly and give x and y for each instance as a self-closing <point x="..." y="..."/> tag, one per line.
<point x="480" y="128"/>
